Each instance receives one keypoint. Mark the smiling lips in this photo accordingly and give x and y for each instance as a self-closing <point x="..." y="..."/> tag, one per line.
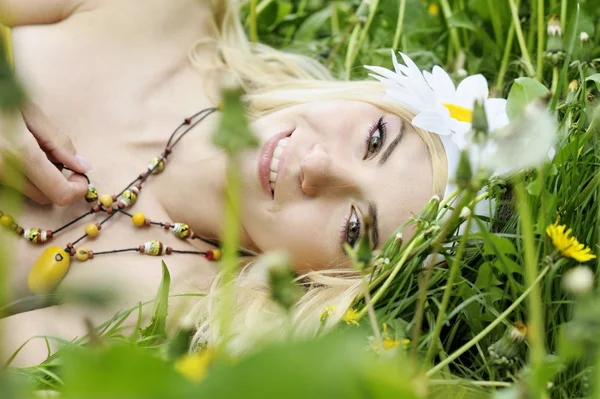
<point x="271" y="160"/>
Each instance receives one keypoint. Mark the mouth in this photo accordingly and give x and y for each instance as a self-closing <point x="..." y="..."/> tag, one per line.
<point x="271" y="161"/>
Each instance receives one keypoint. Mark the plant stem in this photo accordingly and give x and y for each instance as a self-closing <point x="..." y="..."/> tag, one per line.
<point x="399" y="25"/>
<point x="554" y="81"/>
<point x="335" y="22"/>
<point x="448" y="290"/>
<point x="540" y="40"/>
<point x="371" y="311"/>
<point x="453" y="32"/>
<point x="520" y="39"/>
<point x="563" y="13"/>
<point x="395" y="271"/>
<point x="488" y="329"/>
<point x="535" y="326"/>
<point x="253" y="22"/>
<point x="496" y="24"/>
<point x="230" y="241"/>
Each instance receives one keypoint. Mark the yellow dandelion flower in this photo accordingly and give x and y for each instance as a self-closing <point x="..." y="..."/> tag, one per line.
<point x="433" y="9"/>
<point x="194" y="366"/>
<point x="390" y="343"/>
<point x="567" y="245"/>
<point x="351" y="317"/>
<point x="326" y="312"/>
<point x="405" y="343"/>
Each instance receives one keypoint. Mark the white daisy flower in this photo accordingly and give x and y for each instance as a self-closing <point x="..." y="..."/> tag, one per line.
<point x="440" y="107"/>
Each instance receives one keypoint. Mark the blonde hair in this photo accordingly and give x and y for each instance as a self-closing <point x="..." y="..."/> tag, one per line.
<point x="273" y="80"/>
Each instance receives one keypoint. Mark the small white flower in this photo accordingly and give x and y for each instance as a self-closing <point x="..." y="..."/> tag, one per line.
<point x="579" y="280"/>
<point x="440" y="107"/>
<point x="584" y="37"/>
<point x="554" y="28"/>
<point x="524" y="143"/>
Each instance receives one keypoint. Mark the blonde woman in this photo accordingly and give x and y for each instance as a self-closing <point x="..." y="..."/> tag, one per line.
<point x="117" y="76"/>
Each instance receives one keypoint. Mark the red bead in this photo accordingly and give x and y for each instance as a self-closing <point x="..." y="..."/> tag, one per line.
<point x="143" y="175"/>
<point x="69" y="245"/>
<point x="167" y="226"/>
<point x="49" y="234"/>
<point x="169" y="250"/>
<point x="141" y="249"/>
<point x="96" y="208"/>
<point x="138" y="186"/>
<point x="168" y="150"/>
<point x="121" y="205"/>
<point x="114" y="198"/>
<point x="72" y="251"/>
<point x="90" y="254"/>
<point x="99" y="226"/>
<point x="109" y="210"/>
<point x="194" y="235"/>
<point x="147" y="222"/>
<point x="209" y="255"/>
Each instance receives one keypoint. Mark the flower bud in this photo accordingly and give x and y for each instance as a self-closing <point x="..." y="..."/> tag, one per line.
<point x="282" y="286"/>
<point x="480" y="123"/>
<point x="506" y="349"/>
<point x="431" y="209"/>
<point x="465" y="213"/>
<point x="584" y="38"/>
<point x="464" y="172"/>
<point x="579" y="280"/>
<point x="393" y="248"/>
<point x="555" y="48"/>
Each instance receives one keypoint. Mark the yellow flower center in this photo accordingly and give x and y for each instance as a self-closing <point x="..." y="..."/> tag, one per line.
<point x="459" y="113"/>
<point x="433" y="9"/>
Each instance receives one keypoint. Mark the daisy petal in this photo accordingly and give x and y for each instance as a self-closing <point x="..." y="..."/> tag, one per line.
<point x="432" y="121"/>
<point x="470" y="89"/>
<point x="442" y="85"/>
<point x="495" y="110"/>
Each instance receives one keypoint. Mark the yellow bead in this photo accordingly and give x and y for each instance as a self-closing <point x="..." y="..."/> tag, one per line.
<point x="106" y="200"/>
<point x="82" y="254"/>
<point x="91" y="230"/>
<point x="48" y="270"/>
<point x="138" y="219"/>
<point x="216" y="254"/>
<point x="6" y="220"/>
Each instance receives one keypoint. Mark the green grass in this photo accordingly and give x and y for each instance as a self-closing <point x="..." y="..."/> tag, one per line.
<point x="499" y="276"/>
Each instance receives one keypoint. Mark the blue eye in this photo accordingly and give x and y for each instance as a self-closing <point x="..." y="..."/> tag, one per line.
<point x="375" y="139"/>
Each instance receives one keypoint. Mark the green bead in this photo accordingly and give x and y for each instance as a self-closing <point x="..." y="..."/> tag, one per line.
<point x="49" y="270"/>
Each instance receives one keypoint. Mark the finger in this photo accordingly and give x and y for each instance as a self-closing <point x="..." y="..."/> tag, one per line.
<point x="57" y="145"/>
<point x="25" y="187"/>
<point x="44" y="175"/>
<point x="30" y="12"/>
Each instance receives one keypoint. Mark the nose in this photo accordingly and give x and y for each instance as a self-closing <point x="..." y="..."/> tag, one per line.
<point x="322" y="172"/>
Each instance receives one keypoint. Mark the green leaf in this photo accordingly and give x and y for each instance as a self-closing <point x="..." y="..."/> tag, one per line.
<point x="594" y="78"/>
<point x="461" y="20"/>
<point x="337" y="366"/>
<point x="157" y="326"/>
<point x="485" y="277"/>
<point x="535" y="187"/>
<point x="522" y="92"/>
<point x="233" y="134"/>
<point x="309" y="28"/>
<point x="121" y="372"/>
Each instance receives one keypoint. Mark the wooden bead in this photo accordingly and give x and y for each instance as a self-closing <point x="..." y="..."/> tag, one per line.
<point x="109" y="210"/>
<point x="20" y="230"/>
<point x="213" y="254"/>
<point x="106" y="200"/>
<point x="138" y="219"/>
<point x="96" y="208"/>
<point x="169" y="250"/>
<point x="82" y="254"/>
<point x="147" y="222"/>
<point x="6" y="220"/>
<point x="48" y="270"/>
<point x="91" y="230"/>
<point x="92" y="193"/>
<point x="90" y="254"/>
<point x="167" y="226"/>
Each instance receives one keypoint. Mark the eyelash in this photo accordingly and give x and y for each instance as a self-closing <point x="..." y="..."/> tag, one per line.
<point x="378" y="126"/>
<point x="346" y="226"/>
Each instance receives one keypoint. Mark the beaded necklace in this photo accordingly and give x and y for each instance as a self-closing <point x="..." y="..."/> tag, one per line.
<point x="53" y="264"/>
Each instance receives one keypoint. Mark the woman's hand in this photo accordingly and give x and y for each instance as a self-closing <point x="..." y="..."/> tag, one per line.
<point x="32" y="146"/>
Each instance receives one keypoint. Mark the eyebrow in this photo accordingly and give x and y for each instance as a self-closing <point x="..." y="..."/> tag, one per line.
<point x="390" y="149"/>
<point x="375" y="231"/>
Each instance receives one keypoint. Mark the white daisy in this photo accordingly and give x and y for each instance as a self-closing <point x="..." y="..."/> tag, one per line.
<point x="440" y="107"/>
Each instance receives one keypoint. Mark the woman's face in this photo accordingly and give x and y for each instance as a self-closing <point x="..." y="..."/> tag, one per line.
<point x="319" y="168"/>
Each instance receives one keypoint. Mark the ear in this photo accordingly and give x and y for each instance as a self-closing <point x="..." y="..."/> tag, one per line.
<point x="35" y="12"/>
